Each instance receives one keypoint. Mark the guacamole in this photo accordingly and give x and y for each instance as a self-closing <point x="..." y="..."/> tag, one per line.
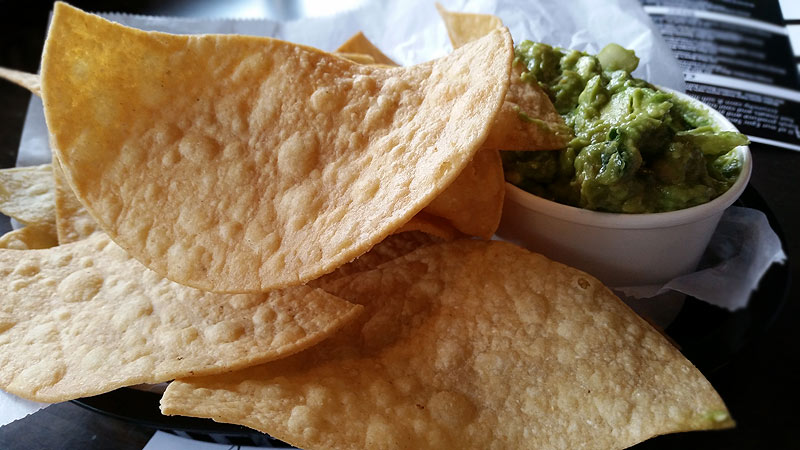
<point x="636" y="149"/>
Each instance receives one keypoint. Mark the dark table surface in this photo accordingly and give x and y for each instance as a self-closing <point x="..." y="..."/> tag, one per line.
<point x="760" y="384"/>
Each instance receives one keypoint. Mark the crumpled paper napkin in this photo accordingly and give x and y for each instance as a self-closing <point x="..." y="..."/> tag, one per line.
<point x="13" y="408"/>
<point x="741" y="250"/>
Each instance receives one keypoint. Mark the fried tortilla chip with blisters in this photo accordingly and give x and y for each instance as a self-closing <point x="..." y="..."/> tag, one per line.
<point x="84" y="318"/>
<point x="243" y="164"/>
<point x="469" y="345"/>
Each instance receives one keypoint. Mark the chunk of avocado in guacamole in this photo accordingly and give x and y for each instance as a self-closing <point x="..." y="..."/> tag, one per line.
<point x="636" y="149"/>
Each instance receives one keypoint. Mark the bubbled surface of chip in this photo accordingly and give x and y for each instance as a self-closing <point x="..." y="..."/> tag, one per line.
<point x="84" y="318"/>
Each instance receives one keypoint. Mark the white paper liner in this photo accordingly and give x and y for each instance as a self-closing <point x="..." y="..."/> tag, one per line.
<point x="14" y="408"/>
<point x="741" y="250"/>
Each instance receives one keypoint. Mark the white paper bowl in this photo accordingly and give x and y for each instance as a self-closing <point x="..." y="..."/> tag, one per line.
<point x="621" y="249"/>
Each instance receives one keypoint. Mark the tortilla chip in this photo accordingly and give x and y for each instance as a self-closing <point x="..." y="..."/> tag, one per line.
<point x="473" y="204"/>
<point x="84" y="318"/>
<point x="242" y="164"/>
<point x="528" y="120"/>
<point x="73" y="221"/>
<point x="359" y="44"/>
<point x="469" y="344"/>
<point x="463" y="28"/>
<point x="29" y="81"/>
<point x="30" y="237"/>
<point x="26" y="194"/>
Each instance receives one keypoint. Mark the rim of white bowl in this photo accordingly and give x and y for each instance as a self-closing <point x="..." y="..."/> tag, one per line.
<point x="646" y="220"/>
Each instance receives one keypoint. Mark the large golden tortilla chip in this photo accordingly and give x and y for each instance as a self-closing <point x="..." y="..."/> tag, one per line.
<point x="84" y="318"/>
<point x="528" y="120"/>
<point x="73" y="221"/>
<point x="26" y="194"/>
<point x="235" y="163"/>
<point x="29" y="81"/>
<point x="469" y="344"/>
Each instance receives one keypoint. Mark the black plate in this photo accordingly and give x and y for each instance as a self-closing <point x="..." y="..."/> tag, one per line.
<point x="707" y="335"/>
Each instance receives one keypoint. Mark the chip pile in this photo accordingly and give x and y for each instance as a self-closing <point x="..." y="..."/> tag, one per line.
<point x="296" y="240"/>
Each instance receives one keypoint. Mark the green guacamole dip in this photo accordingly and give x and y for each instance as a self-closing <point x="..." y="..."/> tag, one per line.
<point x="636" y="149"/>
